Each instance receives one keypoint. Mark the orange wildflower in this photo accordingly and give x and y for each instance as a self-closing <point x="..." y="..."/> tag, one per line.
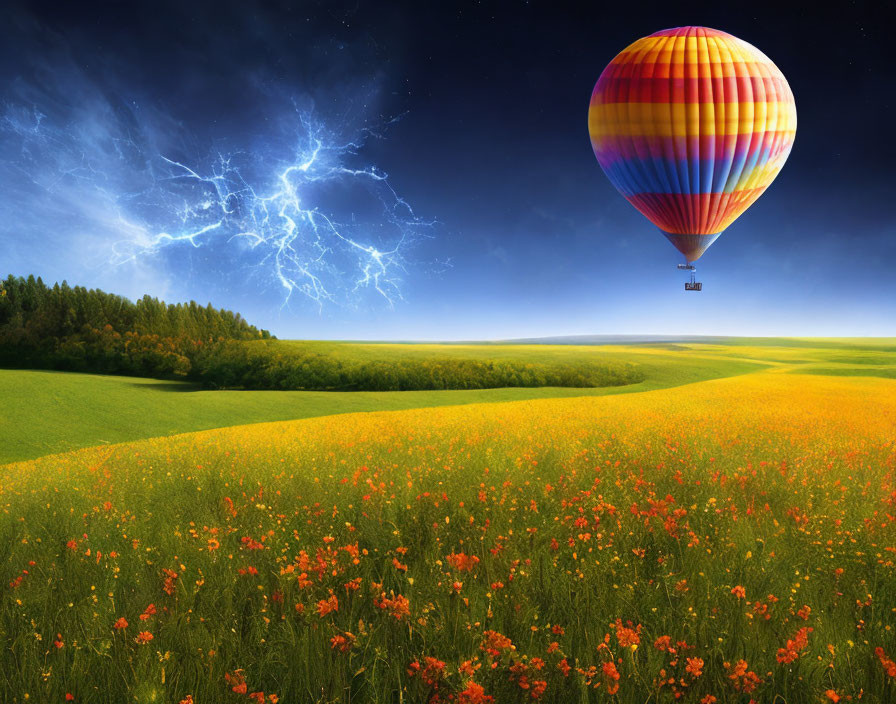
<point x="236" y="681"/>
<point x="694" y="667"/>
<point x="888" y="664"/>
<point x="431" y="672"/>
<point x="626" y="635"/>
<point x="342" y="642"/>
<point x="744" y="680"/>
<point x="396" y="604"/>
<point x="327" y="606"/>
<point x="794" y="646"/>
<point x="473" y="694"/>
<point x="462" y="562"/>
<point x="495" y="644"/>
<point x="170" y="581"/>
<point x="662" y="643"/>
<point x="611" y="677"/>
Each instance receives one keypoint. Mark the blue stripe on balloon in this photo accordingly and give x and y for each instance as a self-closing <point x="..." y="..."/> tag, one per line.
<point x="637" y="175"/>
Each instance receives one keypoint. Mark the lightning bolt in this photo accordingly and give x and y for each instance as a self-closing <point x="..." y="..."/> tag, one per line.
<point x="306" y="214"/>
<point x="308" y="247"/>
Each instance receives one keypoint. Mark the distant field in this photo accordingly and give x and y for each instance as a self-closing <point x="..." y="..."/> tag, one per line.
<point x="648" y="358"/>
<point x="56" y="412"/>
<point x="727" y="541"/>
<point x="48" y="412"/>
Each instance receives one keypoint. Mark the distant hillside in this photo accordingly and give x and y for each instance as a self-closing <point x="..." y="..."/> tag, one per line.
<point x="875" y="343"/>
<point x="613" y="340"/>
<point x="76" y="329"/>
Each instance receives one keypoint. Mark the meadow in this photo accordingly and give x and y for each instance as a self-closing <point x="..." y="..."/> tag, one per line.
<point x="56" y="412"/>
<point x="725" y="540"/>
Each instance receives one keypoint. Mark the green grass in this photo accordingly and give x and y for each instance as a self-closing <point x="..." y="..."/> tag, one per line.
<point x="50" y="412"/>
<point x="766" y="351"/>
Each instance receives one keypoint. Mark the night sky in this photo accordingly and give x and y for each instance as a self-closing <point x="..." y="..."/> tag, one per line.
<point x="440" y="153"/>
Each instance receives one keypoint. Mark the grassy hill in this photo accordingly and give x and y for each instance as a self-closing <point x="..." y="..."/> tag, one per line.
<point x="57" y="411"/>
<point x="49" y="412"/>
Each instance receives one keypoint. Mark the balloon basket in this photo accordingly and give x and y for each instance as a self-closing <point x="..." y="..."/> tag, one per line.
<point x="691" y="285"/>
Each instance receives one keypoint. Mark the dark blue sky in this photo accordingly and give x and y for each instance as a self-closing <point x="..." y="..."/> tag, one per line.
<point x="128" y="127"/>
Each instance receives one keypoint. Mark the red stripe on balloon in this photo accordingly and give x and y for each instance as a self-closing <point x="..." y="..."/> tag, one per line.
<point x="717" y="147"/>
<point x="664" y="209"/>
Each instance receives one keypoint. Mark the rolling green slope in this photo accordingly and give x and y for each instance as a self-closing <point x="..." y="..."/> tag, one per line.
<point x="49" y="412"/>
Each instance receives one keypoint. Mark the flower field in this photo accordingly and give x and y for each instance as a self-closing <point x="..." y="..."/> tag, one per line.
<point x="721" y="542"/>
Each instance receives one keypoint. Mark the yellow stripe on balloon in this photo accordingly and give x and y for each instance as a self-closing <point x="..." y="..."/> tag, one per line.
<point x="684" y="119"/>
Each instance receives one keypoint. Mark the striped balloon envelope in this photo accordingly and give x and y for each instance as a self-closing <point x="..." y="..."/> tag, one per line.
<point x="691" y="125"/>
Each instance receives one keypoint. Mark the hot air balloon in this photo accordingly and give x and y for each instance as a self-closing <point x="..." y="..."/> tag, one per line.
<point x="691" y="125"/>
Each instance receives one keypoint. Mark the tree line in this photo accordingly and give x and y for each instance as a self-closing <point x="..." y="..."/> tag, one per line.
<point x="87" y="330"/>
<point x="277" y="365"/>
<point x="78" y="329"/>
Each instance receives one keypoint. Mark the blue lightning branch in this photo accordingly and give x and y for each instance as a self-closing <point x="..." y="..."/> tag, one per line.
<point x="313" y="222"/>
<point x="305" y="246"/>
